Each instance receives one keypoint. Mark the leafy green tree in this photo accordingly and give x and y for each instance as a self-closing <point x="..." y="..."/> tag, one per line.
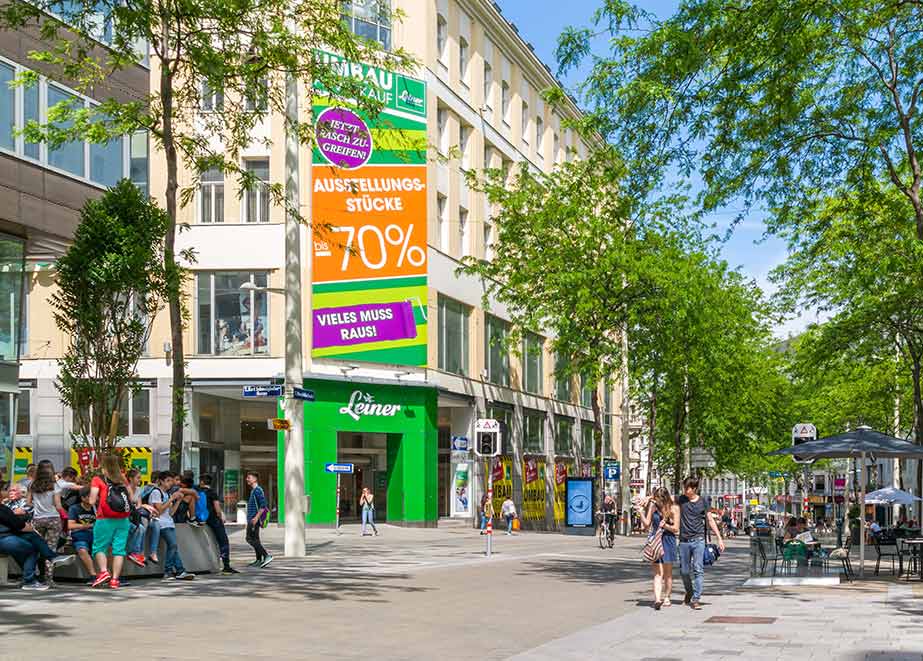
<point x="777" y="102"/>
<point x="218" y="68"/>
<point x="110" y="285"/>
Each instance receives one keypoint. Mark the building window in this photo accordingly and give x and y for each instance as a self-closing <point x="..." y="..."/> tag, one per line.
<point x="505" y="101"/>
<point x="7" y="108"/>
<point x="525" y="123"/>
<point x="211" y="196"/>
<point x="442" y="132"/>
<point x="495" y="350"/>
<point x="68" y="156"/>
<point x="488" y="241"/>
<point x="533" y="432"/>
<point x="487" y="155"/>
<point x="503" y="415"/>
<point x="586" y="439"/>
<point x="464" y="144"/>
<point x="442" y="204"/>
<point x="562" y="380"/>
<point x="138" y="161"/>
<point x="212" y="98"/>
<point x="258" y="98"/>
<point x="256" y="196"/>
<point x="488" y="85"/>
<point x="556" y="148"/>
<point x="453" y="336"/>
<point x="532" y="345"/>
<point x="586" y="391"/>
<point x="232" y="321"/>
<point x="12" y="282"/>
<point x="369" y="19"/>
<point x="463" y="231"/>
<point x="463" y="56"/>
<point x="106" y="162"/>
<point x="31" y="112"/>
<point x="135" y="413"/>
<point x="442" y="38"/>
<point x="563" y="435"/>
<point x="539" y="136"/>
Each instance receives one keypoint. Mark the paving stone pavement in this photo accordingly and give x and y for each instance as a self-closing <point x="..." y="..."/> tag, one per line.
<point x="874" y="621"/>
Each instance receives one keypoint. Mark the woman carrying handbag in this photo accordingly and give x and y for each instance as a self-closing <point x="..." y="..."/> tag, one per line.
<point x="660" y="515"/>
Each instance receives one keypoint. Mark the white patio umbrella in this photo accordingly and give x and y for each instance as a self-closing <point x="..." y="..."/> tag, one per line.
<point x="890" y="496"/>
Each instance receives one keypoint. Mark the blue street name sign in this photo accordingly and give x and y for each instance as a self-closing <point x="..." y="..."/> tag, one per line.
<point x="338" y="468"/>
<point x="777" y="474"/>
<point x="613" y="470"/>
<point x="262" y="391"/>
<point x="303" y="394"/>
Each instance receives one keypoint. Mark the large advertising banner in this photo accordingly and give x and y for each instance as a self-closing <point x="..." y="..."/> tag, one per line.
<point x="533" y="490"/>
<point x="461" y="489"/>
<point x="501" y="470"/>
<point x="561" y="470"/>
<point x="369" y="201"/>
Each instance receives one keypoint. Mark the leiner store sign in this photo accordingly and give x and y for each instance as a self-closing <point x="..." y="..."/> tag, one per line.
<point x="364" y="404"/>
<point x="369" y="407"/>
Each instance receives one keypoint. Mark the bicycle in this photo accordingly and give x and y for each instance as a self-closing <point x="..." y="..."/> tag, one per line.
<point x="606" y="529"/>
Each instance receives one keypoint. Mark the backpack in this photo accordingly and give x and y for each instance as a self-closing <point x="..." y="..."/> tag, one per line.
<point x="117" y="499"/>
<point x="69" y="498"/>
<point x="146" y="492"/>
<point x="201" y="507"/>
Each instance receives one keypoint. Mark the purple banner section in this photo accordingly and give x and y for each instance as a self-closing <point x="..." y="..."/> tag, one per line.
<point x="343" y="138"/>
<point x="360" y="324"/>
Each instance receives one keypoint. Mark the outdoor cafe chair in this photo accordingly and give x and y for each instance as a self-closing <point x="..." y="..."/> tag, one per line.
<point x="909" y="552"/>
<point x="842" y="555"/>
<point x="891" y="552"/>
<point x="774" y="556"/>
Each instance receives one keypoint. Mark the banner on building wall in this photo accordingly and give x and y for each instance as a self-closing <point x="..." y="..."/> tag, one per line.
<point x="533" y="490"/>
<point x="369" y="193"/>
<point x="84" y="460"/>
<point x="501" y="470"/>
<point x="561" y="470"/>
<point x="22" y="457"/>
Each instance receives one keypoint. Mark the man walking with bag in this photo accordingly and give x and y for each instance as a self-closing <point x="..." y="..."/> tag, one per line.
<point x="694" y="517"/>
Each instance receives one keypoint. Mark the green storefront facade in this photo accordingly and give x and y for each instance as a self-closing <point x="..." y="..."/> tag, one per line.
<point x="404" y="417"/>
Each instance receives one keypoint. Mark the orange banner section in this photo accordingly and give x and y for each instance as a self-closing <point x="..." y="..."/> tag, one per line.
<point x="377" y="216"/>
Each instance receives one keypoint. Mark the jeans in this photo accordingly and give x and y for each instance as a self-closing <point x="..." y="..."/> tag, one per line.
<point x="484" y="518"/>
<point x="153" y="542"/>
<point x="221" y="538"/>
<point x="368" y="517"/>
<point x="253" y="539"/>
<point x="26" y="550"/>
<point x="172" y="563"/>
<point x="509" y="523"/>
<point x="136" y="537"/>
<point x="691" y="559"/>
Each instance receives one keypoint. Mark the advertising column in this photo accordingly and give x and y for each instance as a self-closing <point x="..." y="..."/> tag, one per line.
<point x="369" y="199"/>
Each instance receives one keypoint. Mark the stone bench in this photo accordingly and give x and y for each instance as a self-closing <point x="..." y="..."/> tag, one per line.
<point x="197" y="549"/>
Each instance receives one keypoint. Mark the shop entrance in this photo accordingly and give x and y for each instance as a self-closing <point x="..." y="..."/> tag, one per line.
<point x="368" y="452"/>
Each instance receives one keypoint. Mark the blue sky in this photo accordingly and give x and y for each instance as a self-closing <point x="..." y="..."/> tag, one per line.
<point x="540" y="22"/>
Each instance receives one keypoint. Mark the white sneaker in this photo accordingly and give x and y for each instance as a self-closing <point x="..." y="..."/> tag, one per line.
<point x="35" y="587"/>
<point x="185" y="576"/>
<point x="62" y="560"/>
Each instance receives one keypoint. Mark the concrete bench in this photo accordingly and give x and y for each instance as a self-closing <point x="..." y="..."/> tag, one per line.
<point x="4" y="569"/>
<point x="197" y="548"/>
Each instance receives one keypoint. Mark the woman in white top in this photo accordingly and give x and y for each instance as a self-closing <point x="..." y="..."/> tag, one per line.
<point x="367" y="503"/>
<point x="45" y="499"/>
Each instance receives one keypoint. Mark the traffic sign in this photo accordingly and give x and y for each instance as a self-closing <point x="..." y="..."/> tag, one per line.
<point x="339" y="468"/>
<point x="777" y="474"/>
<point x="459" y="444"/>
<point x="803" y="433"/>
<point x="303" y="394"/>
<point x="278" y="424"/>
<point x="487" y="424"/>
<point x="612" y="471"/>
<point x="262" y="391"/>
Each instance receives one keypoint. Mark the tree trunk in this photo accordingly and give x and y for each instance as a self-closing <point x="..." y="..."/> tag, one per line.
<point x="679" y="423"/>
<point x="652" y="426"/>
<point x="174" y="300"/>
<point x="598" y="442"/>
<point x="917" y="437"/>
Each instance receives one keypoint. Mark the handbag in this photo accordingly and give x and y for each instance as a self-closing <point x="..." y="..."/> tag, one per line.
<point x="712" y="552"/>
<point x="653" y="549"/>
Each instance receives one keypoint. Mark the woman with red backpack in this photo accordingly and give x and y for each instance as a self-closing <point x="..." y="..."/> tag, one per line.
<point x="113" y="506"/>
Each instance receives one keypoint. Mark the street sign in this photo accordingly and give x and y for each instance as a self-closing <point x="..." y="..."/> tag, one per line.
<point x="612" y="471"/>
<point x="636" y="484"/>
<point x="777" y="474"/>
<point x="486" y="424"/>
<point x="262" y="391"/>
<point x="278" y="424"/>
<point x="339" y="468"/>
<point x="802" y="433"/>
<point x="459" y="444"/>
<point x="303" y="394"/>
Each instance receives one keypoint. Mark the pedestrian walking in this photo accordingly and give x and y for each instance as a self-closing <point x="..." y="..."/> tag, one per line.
<point x="367" y="503"/>
<point x="661" y="515"/>
<point x="694" y="517"/>
<point x="111" y="497"/>
<point x="508" y="510"/>
<point x="44" y="497"/>
<point x="257" y="513"/>
<point x="486" y="511"/>
<point x="215" y="521"/>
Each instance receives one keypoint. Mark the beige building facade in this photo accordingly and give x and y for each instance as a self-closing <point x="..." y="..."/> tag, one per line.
<point x="483" y="109"/>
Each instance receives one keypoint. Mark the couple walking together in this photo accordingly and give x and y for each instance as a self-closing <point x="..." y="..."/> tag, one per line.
<point x="685" y="518"/>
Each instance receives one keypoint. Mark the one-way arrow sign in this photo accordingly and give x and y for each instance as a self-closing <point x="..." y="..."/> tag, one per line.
<point x="338" y="468"/>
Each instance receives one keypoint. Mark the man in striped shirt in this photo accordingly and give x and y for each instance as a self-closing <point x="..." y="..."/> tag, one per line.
<point x="257" y="511"/>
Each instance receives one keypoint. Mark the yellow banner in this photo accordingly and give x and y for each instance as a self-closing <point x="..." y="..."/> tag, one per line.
<point x="562" y="469"/>
<point x="140" y="458"/>
<point x="533" y="490"/>
<point x="22" y="457"/>
<point x="501" y="468"/>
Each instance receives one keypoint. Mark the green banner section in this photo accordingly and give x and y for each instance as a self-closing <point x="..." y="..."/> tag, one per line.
<point x="394" y="90"/>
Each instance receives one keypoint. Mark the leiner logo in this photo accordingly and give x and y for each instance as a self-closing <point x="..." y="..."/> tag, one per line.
<point x="362" y="403"/>
<point x="409" y="99"/>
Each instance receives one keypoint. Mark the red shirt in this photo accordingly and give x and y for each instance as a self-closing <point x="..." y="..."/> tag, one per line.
<point x="102" y="508"/>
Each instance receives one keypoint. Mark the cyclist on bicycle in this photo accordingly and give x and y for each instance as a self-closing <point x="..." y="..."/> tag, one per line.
<point x="609" y="511"/>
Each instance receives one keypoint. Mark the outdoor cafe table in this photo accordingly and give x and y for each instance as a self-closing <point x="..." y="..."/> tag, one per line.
<point x="917" y="545"/>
